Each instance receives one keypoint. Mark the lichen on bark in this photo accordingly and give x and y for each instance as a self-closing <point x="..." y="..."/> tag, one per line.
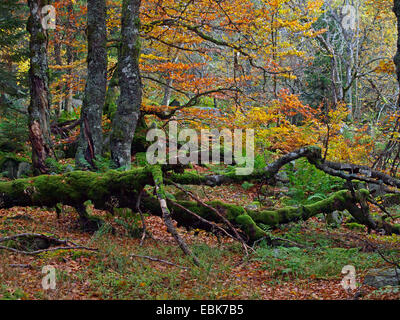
<point x="90" y="143"/>
<point x="40" y="99"/>
<point x="130" y="99"/>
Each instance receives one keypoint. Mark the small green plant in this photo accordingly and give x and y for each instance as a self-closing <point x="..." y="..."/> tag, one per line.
<point x="308" y="184"/>
<point x="102" y="164"/>
<point x="316" y="262"/>
<point x="133" y="225"/>
<point x="247" y="185"/>
<point x="17" y="294"/>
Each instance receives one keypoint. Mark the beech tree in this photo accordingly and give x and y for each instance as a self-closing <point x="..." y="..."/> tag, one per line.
<point x="39" y="107"/>
<point x="91" y="134"/>
<point x="130" y="100"/>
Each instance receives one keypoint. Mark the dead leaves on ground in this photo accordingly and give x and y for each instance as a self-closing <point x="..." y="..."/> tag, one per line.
<point x="21" y="276"/>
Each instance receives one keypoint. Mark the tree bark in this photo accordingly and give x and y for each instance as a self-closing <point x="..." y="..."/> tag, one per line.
<point x="396" y="10"/>
<point x="128" y="111"/>
<point x="249" y="220"/>
<point x="68" y="90"/>
<point x="106" y="191"/>
<point x="39" y="107"/>
<point x="121" y="189"/>
<point x="91" y="134"/>
<point x="166" y="213"/>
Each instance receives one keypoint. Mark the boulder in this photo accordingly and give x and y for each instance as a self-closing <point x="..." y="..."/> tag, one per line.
<point x="334" y="219"/>
<point x="14" y="167"/>
<point x="377" y="189"/>
<point x="379" y="278"/>
<point x="251" y="207"/>
<point x="68" y="168"/>
<point x="9" y="168"/>
<point x="24" y="169"/>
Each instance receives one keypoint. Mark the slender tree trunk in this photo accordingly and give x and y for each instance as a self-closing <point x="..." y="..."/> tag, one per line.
<point x="167" y="91"/>
<point x="68" y="92"/>
<point x="91" y="135"/>
<point x="128" y="112"/>
<point x="39" y="107"/>
<point x="396" y="10"/>
<point x="58" y="59"/>
<point x="112" y="95"/>
<point x="168" y="84"/>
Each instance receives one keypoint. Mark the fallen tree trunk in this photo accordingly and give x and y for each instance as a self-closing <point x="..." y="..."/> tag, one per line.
<point x="122" y="189"/>
<point x="106" y="190"/>
<point x="251" y="221"/>
<point x="313" y="154"/>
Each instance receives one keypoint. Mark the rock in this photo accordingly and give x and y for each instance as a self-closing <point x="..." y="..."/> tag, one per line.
<point x="334" y="218"/>
<point x="76" y="102"/>
<point x="376" y="189"/>
<point x="14" y="168"/>
<point x="282" y="176"/>
<point x="9" y="168"/>
<point x="68" y="168"/>
<point x="24" y="169"/>
<point x="251" y="207"/>
<point x="379" y="278"/>
<point x="40" y="244"/>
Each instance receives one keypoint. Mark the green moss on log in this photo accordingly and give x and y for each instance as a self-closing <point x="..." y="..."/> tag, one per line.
<point x="74" y="188"/>
<point x="248" y="220"/>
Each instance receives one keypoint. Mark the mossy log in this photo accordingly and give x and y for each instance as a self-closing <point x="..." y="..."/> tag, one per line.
<point x="250" y="221"/>
<point x="116" y="189"/>
<point x="105" y="190"/>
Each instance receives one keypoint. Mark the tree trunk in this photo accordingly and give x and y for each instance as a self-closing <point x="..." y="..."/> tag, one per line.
<point x="121" y="189"/>
<point x="91" y="135"/>
<point x="396" y="10"/>
<point x="112" y="96"/>
<point x="128" y="112"/>
<point x="68" y="91"/>
<point x="168" y="84"/>
<point x="39" y="107"/>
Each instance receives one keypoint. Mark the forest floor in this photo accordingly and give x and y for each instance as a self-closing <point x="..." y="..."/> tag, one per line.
<point x="111" y="272"/>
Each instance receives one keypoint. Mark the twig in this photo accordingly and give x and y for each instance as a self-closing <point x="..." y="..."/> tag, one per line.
<point x="159" y="260"/>
<point x="213" y="225"/>
<point x="237" y="235"/>
<point x="370" y="200"/>
<point x="52" y="240"/>
<point x="166" y="216"/>
<point x="144" y="230"/>
<point x="20" y="266"/>
<point x="47" y="250"/>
